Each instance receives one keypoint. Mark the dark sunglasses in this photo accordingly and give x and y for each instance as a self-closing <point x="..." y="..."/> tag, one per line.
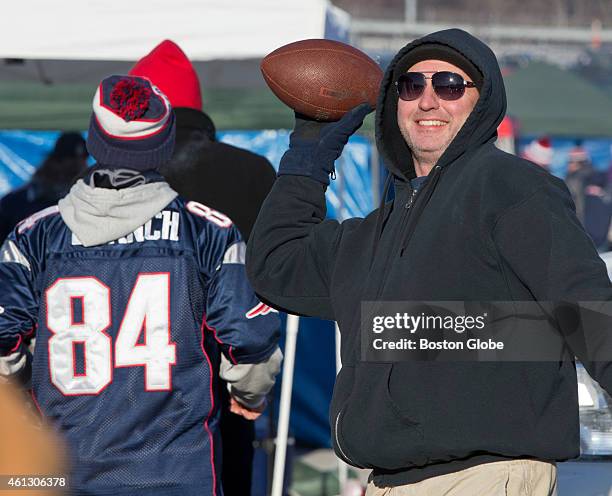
<point x="447" y="85"/>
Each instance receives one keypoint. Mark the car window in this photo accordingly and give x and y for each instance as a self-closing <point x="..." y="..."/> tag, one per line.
<point x="595" y="408"/>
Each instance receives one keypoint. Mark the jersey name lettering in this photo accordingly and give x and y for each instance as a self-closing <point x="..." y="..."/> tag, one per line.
<point x="164" y="226"/>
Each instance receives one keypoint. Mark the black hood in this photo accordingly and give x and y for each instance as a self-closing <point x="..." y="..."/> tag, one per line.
<point x="481" y="125"/>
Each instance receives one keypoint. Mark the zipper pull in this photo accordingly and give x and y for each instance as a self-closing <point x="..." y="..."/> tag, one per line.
<point x="410" y="200"/>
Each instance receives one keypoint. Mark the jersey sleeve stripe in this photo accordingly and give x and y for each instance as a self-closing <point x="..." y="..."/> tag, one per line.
<point x="235" y="254"/>
<point x="9" y="253"/>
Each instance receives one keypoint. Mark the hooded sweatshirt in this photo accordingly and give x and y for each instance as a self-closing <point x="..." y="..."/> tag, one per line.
<point x="486" y="226"/>
<point x="99" y="215"/>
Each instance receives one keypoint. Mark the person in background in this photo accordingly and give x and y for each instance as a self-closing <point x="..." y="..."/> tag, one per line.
<point x="579" y="173"/>
<point x="229" y="179"/>
<point x="28" y="447"/>
<point x="540" y="152"/>
<point x="589" y="192"/>
<point x="50" y="182"/>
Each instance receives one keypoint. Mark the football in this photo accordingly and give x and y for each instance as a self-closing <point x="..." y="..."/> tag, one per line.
<point x="321" y="79"/>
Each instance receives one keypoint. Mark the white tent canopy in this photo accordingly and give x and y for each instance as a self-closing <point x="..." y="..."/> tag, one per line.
<point x="118" y="30"/>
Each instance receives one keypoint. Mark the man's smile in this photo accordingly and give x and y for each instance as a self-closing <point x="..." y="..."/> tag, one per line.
<point x="431" y="122"/>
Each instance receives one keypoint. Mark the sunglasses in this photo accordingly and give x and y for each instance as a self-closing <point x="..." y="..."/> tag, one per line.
<point x="447" y="85"/>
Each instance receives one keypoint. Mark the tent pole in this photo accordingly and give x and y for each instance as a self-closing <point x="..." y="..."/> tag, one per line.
<point x="342" y="467"/>
<point x="282" y="432"/>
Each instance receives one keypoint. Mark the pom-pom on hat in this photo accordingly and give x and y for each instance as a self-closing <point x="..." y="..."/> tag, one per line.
<point x="171" y="71"/>
<point x="132" y="125"/>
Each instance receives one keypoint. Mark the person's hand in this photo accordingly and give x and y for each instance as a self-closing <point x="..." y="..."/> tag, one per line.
<point x="314" y="146"/>
<point x="11" y="365"/>
<point x="248" y="413"/>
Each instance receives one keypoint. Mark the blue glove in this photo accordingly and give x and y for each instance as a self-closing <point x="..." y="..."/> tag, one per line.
<point x="314" y="146"/>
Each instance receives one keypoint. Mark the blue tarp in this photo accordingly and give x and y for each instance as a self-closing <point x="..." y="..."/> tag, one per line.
<point x="22" y="151"/>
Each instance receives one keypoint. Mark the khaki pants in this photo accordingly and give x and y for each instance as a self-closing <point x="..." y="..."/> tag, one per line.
<point x="508" y="478"/>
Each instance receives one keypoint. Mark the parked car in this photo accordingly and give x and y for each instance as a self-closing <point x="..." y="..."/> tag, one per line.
<point x="591" y="474"/>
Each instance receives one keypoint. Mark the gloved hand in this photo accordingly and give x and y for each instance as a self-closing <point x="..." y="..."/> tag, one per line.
<point x="314" y="146"/>
<point x="11" y="365"/>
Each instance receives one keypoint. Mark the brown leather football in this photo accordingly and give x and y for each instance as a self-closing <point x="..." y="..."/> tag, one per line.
<point x="321" y="79"/>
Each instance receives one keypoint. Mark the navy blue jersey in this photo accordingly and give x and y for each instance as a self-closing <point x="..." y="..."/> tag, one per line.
<point x="128" y="341"/>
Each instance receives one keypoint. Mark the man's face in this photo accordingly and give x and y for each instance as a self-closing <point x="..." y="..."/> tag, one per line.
<point x="429" y="124"/>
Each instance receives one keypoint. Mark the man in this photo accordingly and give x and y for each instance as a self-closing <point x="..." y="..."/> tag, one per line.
<point x="579" y="174"/>
<point x="50" y="182"/>
<point x="468" y="223"/>
<point x="229" y="179"/>
<point x="588" y="189"/>
<point x="223" y="177"/>
<point x="137" y="298"/>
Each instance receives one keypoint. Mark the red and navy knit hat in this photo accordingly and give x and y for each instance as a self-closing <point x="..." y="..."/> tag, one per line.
<point x="132" y="125"/>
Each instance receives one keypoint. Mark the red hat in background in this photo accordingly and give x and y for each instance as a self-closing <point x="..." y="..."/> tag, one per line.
<point x="539" y="151"/>
<point x="171" y="71"/>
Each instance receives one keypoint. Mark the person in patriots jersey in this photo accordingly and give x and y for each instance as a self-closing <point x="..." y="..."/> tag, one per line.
<point x="136" y="298"/>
